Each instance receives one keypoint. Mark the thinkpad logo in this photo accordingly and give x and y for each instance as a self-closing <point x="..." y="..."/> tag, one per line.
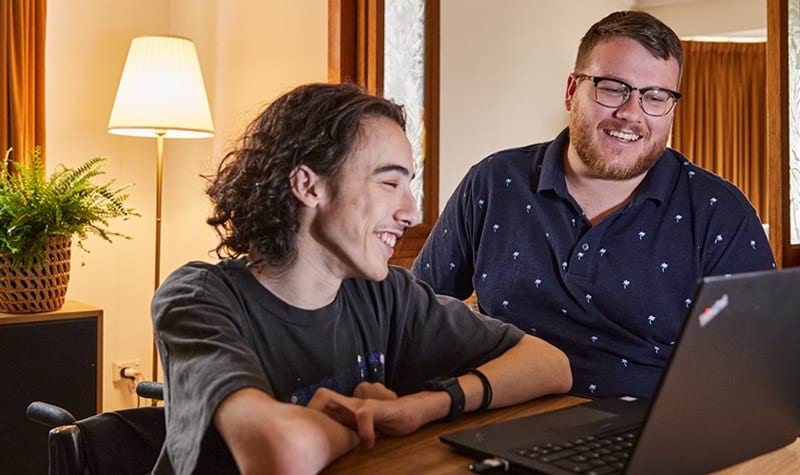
<point x="711" y="312"/>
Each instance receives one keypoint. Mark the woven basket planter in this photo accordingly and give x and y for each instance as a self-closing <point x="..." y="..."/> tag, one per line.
<point x="40" y="287"/>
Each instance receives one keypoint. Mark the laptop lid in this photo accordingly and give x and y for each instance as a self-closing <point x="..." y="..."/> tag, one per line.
<point x="729" y="392"/>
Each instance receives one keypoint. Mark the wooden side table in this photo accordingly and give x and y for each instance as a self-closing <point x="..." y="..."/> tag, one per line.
<point x="54" y="357"/>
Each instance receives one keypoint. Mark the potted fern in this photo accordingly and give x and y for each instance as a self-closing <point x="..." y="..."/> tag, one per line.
<point x="38" y="217"/>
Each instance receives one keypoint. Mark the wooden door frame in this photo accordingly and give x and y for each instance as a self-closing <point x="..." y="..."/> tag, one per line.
<point x="786" y="255"/>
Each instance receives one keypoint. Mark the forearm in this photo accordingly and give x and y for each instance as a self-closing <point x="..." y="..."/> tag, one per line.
<point x="530" y="369"/>
<point x="266" y="436"/>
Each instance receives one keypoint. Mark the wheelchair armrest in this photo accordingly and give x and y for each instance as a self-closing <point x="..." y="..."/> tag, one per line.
<point x="150" y="390"/>
<point x="49" y="415"/>
<point x="65" y="452"/>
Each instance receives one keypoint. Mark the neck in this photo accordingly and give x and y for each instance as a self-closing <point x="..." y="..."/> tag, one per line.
<point x="597" y="197"/>
<point x="305" y="283"/>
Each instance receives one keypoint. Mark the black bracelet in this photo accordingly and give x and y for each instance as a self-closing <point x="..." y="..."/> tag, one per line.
<point x="487" y="388"/>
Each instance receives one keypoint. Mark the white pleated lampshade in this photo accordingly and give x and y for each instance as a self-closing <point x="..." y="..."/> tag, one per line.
<point x="161" y="91"/>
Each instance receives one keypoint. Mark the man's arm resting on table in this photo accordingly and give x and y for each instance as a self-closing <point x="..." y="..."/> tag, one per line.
<point x="267" y="436"/>
<point x="530" y="369"/>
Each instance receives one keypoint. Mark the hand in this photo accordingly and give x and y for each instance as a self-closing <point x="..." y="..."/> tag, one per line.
<point x="398" y="416"/>
<point x="367" y="390"/>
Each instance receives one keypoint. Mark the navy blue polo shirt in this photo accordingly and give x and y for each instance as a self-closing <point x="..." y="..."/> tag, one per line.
<point x="611" y="296"/>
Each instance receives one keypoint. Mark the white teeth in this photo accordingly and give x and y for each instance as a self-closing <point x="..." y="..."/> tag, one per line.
<point x="624" y="136"/>
<point x="388" y="238"/>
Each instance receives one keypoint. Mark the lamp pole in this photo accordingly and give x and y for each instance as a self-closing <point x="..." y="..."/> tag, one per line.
<point x="160" y="134"/>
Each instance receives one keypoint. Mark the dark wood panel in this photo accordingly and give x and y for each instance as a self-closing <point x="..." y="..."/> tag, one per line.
<point x="52" y="357"/>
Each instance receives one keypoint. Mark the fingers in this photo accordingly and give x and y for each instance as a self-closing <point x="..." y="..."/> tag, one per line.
<point x="366" y="427"/>
<point x="320" y="399"/>
<point x="338" y="407"/>
<point x="367" y="390"/>
<point x="360" y="412"/>
<point x="356" y="414"/>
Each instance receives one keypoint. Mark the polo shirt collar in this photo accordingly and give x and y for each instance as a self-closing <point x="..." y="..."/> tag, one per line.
<point x="655" y="186"/>
<point x="552" y="173"/>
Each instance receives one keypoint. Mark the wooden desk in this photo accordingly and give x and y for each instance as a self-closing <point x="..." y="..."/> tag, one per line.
<point x="422" y="453"/>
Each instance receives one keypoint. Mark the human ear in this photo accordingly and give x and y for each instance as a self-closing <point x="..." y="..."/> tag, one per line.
<point x="569" y="94"/>
<point x="307" y="186"/>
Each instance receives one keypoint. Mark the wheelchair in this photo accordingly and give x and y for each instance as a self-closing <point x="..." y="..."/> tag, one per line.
<point x="119" y="442"/>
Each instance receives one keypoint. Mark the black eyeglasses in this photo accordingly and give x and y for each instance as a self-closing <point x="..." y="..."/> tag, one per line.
<point x="613" y="93"/>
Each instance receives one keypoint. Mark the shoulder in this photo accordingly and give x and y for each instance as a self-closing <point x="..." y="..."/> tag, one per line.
<point x="197" y="282"/>
<point x="513" y="166"/>
<point x="197" y="276"/>
<point x="709" y="190"/>
<point x="518" y="160"/>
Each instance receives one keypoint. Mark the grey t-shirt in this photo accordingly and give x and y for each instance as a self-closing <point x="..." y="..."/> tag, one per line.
<point x="220" y="330"/>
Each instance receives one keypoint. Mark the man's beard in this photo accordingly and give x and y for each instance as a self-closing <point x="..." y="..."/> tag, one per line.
<point x="580" y="135"/>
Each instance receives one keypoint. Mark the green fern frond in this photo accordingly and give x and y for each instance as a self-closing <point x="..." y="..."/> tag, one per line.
<point x="33" y="208"/>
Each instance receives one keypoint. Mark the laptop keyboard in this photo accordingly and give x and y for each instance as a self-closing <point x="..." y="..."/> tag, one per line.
<point x="590" y="455"/>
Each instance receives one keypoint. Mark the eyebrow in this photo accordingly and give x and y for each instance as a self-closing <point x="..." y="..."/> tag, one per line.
<point x="392" y="168"/>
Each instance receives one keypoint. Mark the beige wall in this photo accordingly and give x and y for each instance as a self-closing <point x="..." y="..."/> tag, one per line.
<point x="250" y="51"/>
<point x="503" y="74"/>
<point x="713" y="17"/>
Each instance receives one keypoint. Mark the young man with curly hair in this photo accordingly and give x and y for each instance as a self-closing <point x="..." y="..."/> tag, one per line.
<point x="302" y="341"/>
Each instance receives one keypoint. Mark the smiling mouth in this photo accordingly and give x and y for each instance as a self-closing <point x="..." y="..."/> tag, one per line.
<point x="624" y="136"/>
<point x="387" y="238"/>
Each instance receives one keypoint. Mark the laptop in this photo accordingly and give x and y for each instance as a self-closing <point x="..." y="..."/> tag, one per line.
<point x="730" y="392"/>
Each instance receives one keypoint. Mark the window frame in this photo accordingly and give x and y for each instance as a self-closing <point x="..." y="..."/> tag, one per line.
<point x="355" y="54"/>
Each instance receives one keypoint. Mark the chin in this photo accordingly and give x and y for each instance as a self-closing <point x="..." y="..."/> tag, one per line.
<point x="382" y="275"/>
<point x="376" y="274"/>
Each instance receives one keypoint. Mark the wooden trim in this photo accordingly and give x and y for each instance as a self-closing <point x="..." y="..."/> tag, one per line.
<point x="99" y="360"/>
<point x="341" y="41"/>
<point x="432" y="48"/>
<point x="355" y="43"/>
<point x="70" y="310"/>
<point x="778" y="132"/>
<point x="407" y="249"/>
<point x="371" y="46"/>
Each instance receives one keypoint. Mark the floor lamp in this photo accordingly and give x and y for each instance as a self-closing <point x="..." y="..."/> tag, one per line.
<point x="161" y="94"/>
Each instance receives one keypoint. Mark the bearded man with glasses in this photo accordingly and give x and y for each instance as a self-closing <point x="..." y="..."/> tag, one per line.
<point x="595" y="241"/>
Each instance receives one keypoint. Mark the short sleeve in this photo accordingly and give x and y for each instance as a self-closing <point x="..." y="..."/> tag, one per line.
<point x="441" y="336"/>
<point x="446" y="260"/>
<point x="198" y="324"/>
<point x="735" y="240"/>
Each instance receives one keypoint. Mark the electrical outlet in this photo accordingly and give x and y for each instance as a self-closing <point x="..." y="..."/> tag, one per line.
<point x="116" y="368"/>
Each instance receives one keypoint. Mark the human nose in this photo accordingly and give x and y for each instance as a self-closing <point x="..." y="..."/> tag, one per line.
<point x="408" y="213"/>
<point x="631" y="109"/>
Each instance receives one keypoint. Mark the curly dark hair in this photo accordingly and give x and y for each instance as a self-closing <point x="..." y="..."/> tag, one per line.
<point x="642" y="27"/>
<point x="317" y="125"/>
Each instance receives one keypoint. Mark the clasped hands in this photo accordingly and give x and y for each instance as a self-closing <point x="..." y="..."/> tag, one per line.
<point x="372" y="409"/>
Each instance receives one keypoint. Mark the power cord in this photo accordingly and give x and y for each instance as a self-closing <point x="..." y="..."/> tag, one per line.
<point x="134" y="376"/>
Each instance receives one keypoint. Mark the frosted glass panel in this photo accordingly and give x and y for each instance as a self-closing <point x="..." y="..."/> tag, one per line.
<point x="794" y="120"/>
<point x="404" y="74"/>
